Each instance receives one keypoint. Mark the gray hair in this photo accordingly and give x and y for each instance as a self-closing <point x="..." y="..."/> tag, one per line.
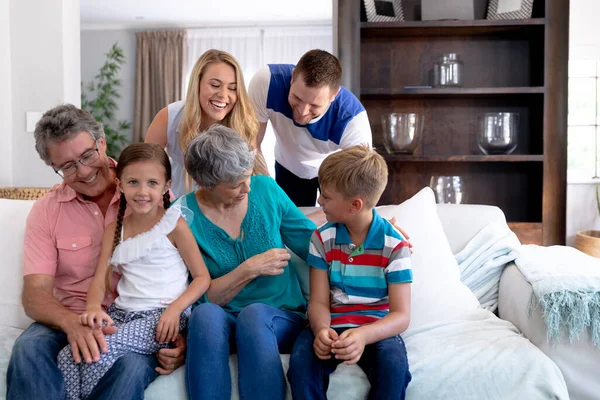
<point x="63" y="123"/>
<point x="218" y="155"/>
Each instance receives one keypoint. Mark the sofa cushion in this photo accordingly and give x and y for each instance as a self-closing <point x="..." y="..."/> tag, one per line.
<point x="13" y="214"/>
<point x="437" y="294"/>
<point x="8" y="335"/>
<point x="462" y="222"/>
<point x="348" y="382"/>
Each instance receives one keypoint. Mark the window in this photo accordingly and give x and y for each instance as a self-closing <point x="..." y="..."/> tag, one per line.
<point x="583" y="120"/>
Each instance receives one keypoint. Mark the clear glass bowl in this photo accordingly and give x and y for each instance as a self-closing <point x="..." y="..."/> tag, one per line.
<point x="498" y="132"/>
<point x="401" y="132"/>
<point x="448" y="189"/>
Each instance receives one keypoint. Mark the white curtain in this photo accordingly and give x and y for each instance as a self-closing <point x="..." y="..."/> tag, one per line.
<point x="243" y="43"/>
<point x="285" y="45"/>
<point x="254" y="47"/>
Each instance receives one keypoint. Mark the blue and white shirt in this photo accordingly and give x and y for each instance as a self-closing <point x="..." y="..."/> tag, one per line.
<point x="302" y="148"/>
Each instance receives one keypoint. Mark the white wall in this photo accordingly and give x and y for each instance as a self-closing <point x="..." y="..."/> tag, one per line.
<point x="43" y="38"/>
<point x="71" y="52"/>
<point x="5" y="97"/>
<point x="94" y="46"/>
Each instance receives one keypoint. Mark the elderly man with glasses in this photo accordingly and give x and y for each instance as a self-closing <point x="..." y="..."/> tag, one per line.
<point x="62" y="245"/>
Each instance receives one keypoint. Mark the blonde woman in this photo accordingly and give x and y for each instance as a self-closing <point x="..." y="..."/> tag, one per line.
<point x="216" y="94"/>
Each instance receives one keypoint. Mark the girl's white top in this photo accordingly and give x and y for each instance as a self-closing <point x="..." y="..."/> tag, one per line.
<point x="153" y="272"/>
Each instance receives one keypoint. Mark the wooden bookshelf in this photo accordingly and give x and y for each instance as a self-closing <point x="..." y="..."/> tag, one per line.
<point x="509" y="65"/>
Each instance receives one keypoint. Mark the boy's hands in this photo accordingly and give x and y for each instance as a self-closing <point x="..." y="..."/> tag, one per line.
<point x="168" y="325"/>
<point x="349" y="346"/>
<point x="323" y="341"/>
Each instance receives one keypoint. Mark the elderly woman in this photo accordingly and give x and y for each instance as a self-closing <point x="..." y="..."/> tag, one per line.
<point x="254" y="305"/>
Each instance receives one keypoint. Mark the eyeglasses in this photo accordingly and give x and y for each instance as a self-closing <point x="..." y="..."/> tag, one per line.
<point x="88" y="158"/>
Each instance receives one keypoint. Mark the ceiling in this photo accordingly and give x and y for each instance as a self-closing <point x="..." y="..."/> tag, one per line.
<point x="144" y="13"/>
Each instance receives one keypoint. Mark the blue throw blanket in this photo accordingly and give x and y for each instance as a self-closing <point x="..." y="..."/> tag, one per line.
<point x="482" y="260"/>
<point x="566" y="283"/>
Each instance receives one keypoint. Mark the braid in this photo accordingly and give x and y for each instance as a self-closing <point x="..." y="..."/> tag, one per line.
<point x="117" y="238"/>
<point x="167" y="200"/>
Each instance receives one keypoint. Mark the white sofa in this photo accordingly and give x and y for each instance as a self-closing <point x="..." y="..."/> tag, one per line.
<point x="436" y="371"/>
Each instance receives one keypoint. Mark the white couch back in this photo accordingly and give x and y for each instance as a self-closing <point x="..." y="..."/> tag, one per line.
<point x="13" y="214"/>
<point x="460" y="222"/>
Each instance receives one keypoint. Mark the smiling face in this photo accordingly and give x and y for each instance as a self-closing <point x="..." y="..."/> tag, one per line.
<point x="218" y="92"/>
<point x="335" y="206"/>
<point x="91" y="181"/>
<point x="144" y="184"/>
<point x="309" y="102"/>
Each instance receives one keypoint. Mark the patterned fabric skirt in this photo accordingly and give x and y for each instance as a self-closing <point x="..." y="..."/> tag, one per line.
<point x="136" y="333"/>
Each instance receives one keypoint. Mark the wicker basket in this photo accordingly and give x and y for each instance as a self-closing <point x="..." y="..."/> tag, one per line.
<point x="22" y="193"/>
<point x="588" y="242"/>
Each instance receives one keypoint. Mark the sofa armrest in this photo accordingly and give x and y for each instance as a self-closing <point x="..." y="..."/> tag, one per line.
<point x="577" y="361"/>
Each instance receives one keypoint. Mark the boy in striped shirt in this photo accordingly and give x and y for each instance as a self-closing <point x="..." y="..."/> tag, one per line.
<point x="359" y="284"/>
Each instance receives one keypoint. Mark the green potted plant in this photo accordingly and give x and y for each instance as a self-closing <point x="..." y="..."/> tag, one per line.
<point x="100" y="96"/>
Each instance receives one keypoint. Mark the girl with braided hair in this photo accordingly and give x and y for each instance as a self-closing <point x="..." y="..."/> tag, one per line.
<point x="152" y="247"/>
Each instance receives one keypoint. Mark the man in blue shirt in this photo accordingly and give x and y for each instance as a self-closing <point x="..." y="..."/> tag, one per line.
<point x="312" y="116"/>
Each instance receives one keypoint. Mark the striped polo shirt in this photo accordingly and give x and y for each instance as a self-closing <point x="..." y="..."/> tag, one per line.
<point x="359" y="275"/>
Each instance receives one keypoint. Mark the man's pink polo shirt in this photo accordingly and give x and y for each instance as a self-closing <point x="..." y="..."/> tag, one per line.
<point x="63" y="238"/>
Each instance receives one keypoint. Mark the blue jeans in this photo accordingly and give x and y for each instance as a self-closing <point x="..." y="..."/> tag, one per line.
<point x="384" y="362"/>
<point x="259" y="333"/>
<point x="33" y="372"/>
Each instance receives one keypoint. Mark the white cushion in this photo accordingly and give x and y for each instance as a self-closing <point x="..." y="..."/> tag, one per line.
<point x="462" y="222"/>
<point x="13" y="214"/>
<point x="8" y="336"/>
<point x="437" y="294"/>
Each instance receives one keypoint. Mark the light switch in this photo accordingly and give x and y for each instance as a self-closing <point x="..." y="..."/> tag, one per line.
<point x="32" y="119"/>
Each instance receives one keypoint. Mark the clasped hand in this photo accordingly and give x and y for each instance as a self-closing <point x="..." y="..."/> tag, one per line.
<point x="348" y="346"/>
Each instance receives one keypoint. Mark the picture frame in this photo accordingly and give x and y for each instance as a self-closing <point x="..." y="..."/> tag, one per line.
<point x="384" y="10"/>
<point x="524" y="12"/>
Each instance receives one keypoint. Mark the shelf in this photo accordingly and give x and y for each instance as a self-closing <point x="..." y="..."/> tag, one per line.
<point x="466" y="158"/>
<point x="444" y="28"/>
<point x="451" y="92"/>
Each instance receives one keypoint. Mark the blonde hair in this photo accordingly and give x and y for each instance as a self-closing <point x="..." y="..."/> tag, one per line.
<point x="355" y="171"/>
<point x="241" y="118"/>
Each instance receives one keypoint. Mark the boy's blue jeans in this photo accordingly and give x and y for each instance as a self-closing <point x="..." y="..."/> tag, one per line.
<point x="385" y="363"/>
<point x="259" y="333"/>
<point x="33" y="372"/>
